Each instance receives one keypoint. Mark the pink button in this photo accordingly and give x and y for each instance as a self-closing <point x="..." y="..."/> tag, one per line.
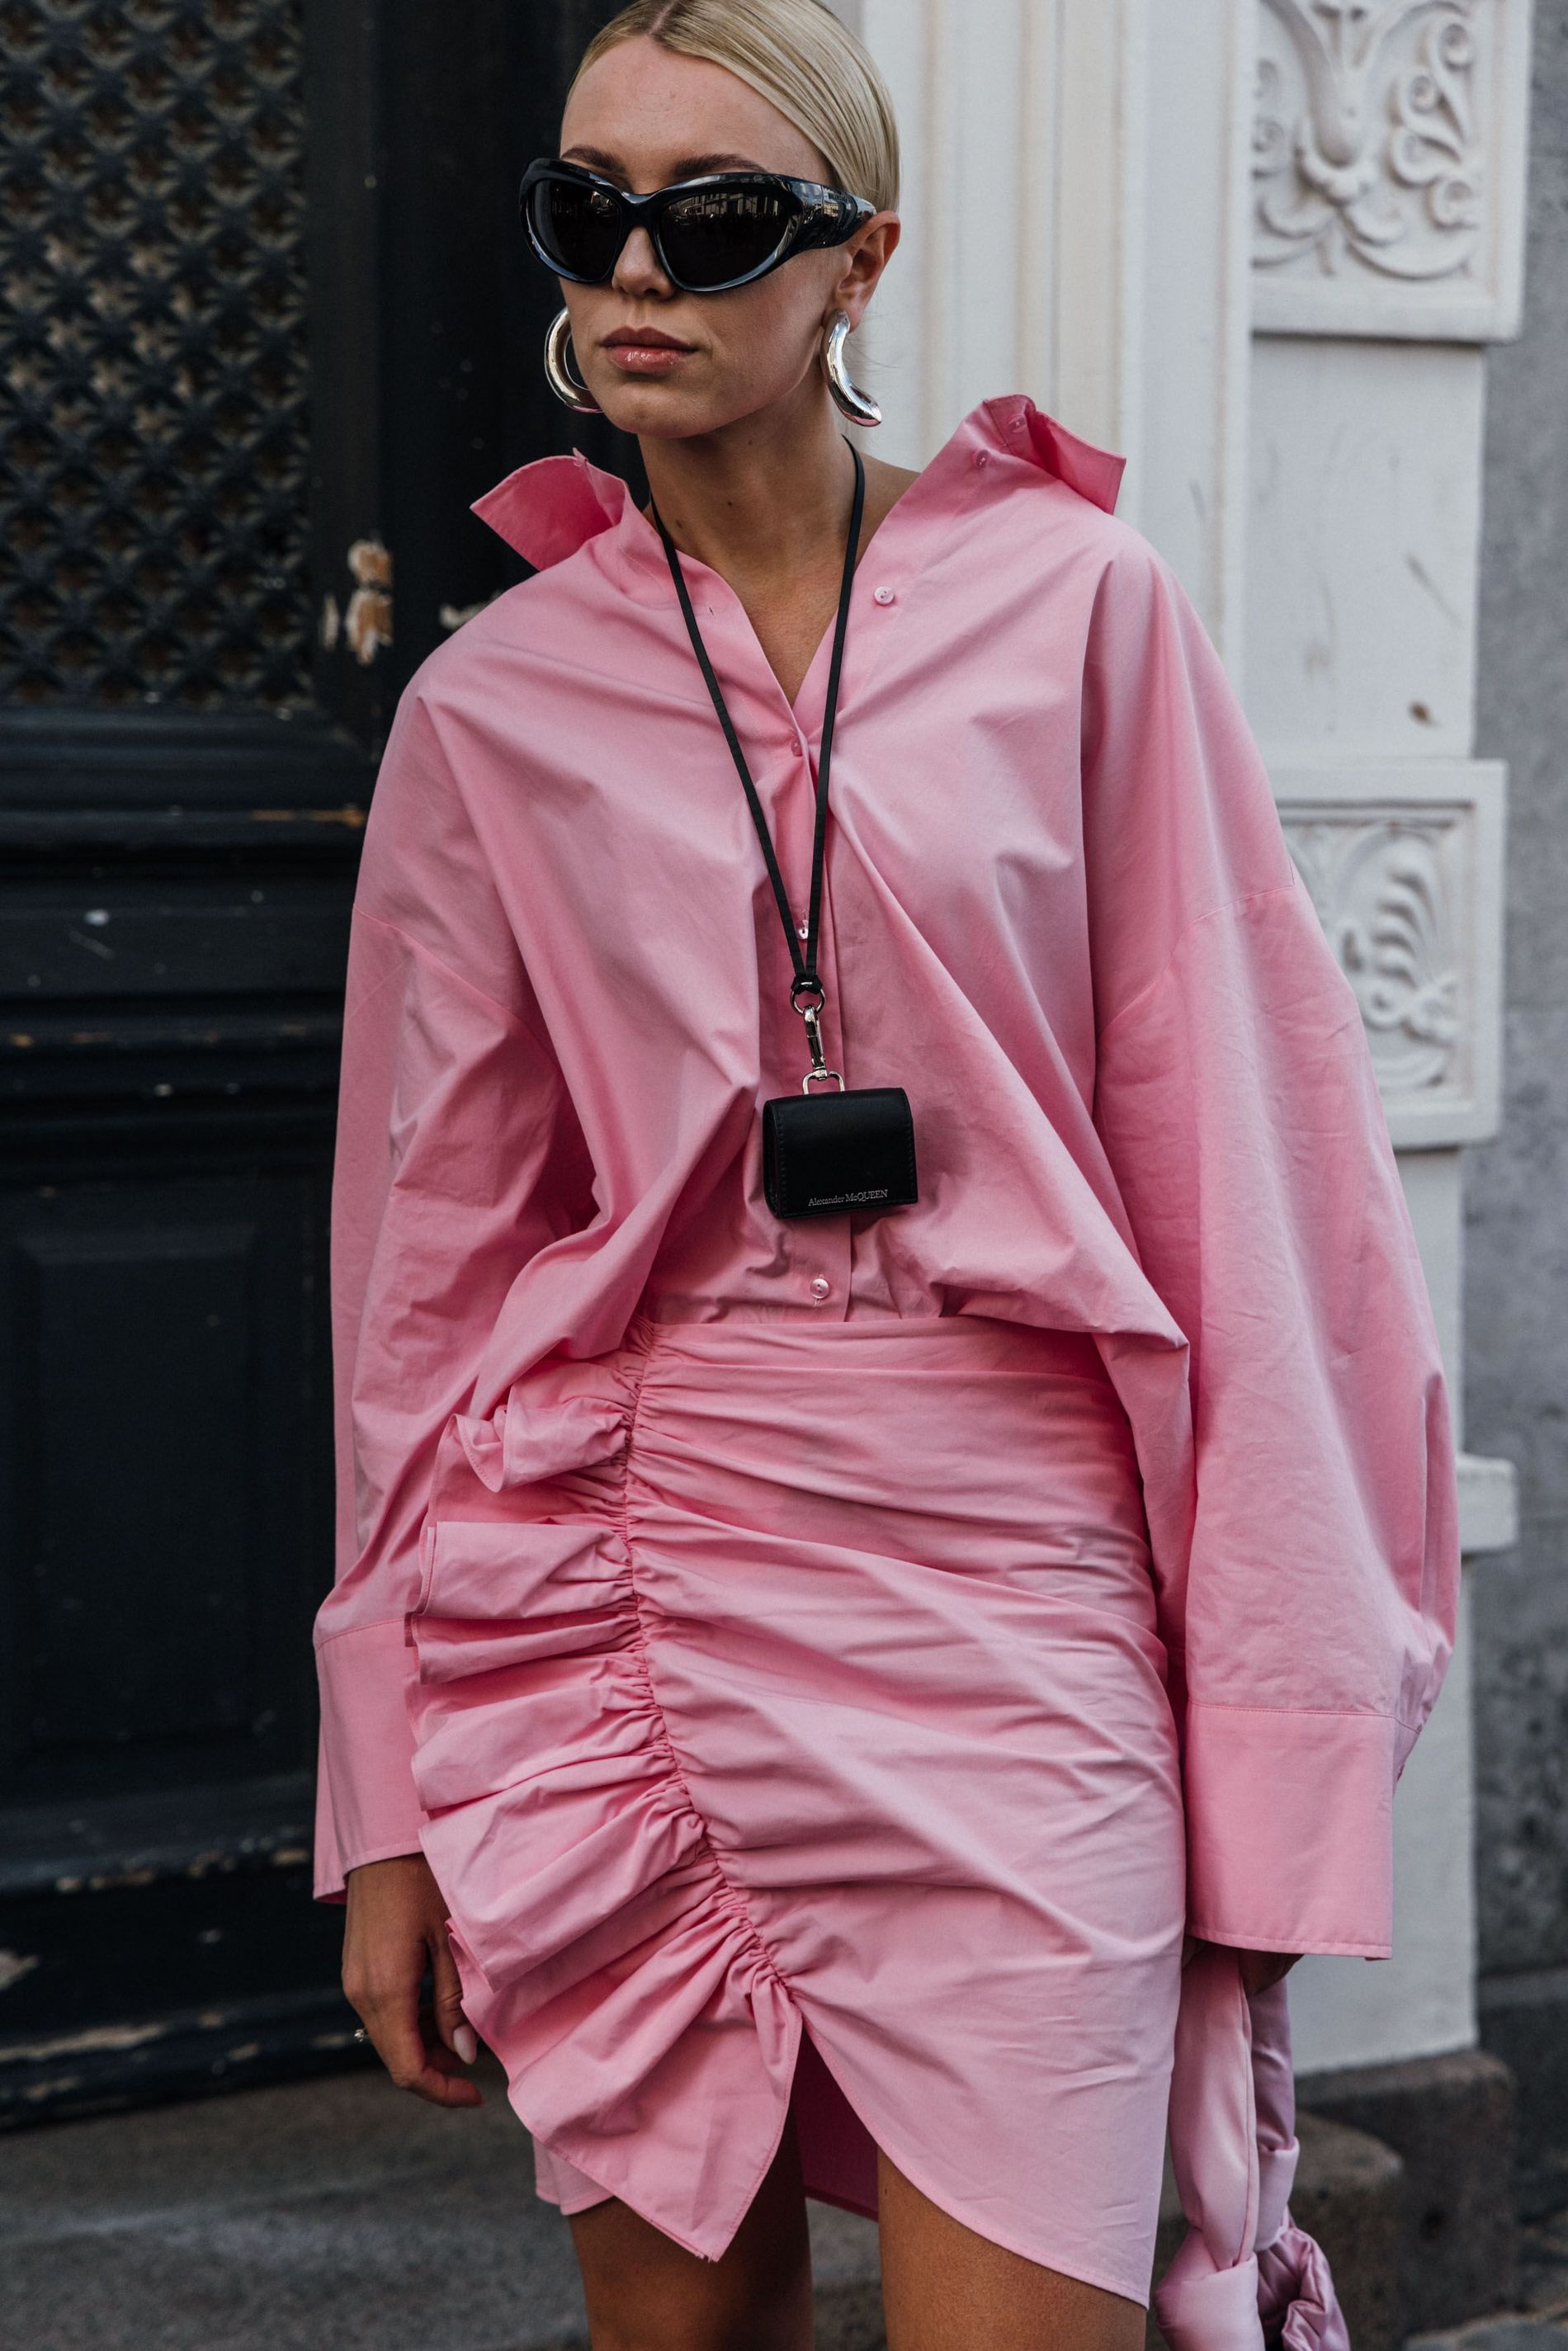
<point x="881" y="595"/>
<point x="821" y="1287"/>
<point x="982" y="456"/>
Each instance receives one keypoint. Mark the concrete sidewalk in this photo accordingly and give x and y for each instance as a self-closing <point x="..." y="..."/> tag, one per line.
<point x="1539" y="2321"/>
<point x="334" y="2215"/>
<point x="340" y="2215"/>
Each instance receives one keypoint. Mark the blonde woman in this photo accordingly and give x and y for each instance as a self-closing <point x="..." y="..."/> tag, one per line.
<point x="895" y="1473"/>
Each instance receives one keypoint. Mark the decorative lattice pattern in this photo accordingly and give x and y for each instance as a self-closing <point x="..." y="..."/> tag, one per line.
<point x="153" y="453"/>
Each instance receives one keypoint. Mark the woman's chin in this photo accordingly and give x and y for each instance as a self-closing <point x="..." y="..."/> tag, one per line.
<point x="661" y="408"/>
<point x="638" y="403"/>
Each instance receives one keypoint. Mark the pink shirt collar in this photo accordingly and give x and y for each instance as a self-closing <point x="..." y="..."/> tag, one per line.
<point x="551" y="507"/>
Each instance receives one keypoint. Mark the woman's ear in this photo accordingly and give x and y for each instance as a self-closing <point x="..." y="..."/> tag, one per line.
<point x="866" y="259"/>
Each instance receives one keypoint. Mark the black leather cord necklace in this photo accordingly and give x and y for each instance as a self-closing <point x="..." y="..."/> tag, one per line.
<point x="852" y="1149"/>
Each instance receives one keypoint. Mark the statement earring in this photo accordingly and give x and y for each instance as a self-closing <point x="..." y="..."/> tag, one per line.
<point x="560" y="368"/>
<point x="848" y="398"/>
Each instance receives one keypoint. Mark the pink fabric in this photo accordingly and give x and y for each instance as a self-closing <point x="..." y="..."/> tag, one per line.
<point x="1060" y="910"/>
<point x="731" y="1729"/>
<point x="1245" y="2274"/>
<point x="838" y="2152"/>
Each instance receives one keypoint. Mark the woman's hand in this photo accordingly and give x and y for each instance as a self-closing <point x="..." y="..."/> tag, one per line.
<point x="397" y="1919"/>
<point x="1260" y="1970"/>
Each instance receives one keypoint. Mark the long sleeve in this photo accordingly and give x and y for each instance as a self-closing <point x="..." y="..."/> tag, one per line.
<point x="447" y="1178"/>
<point x="1311" y="1621"/>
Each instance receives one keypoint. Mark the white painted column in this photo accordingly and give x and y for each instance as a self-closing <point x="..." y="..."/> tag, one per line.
<point x="1032" y="110"/>
<point x="1387" y="231"/>
<point x="1110" y="277"/>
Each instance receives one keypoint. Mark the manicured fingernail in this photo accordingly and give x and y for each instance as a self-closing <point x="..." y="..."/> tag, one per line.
<point x="463" y="2042"/>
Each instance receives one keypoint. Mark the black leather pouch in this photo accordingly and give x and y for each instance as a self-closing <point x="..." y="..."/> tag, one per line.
<point x="826" y="1153"/>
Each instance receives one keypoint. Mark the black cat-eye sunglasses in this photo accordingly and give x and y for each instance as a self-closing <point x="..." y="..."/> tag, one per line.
<point x="709" y="235"/>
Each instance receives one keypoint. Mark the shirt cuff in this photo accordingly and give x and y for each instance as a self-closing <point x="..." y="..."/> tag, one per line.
<point x="1290" y="1829"/>
<point x="367" y="1808"/>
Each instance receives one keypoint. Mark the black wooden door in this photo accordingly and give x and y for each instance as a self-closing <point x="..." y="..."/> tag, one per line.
<point x="268" y="326"/>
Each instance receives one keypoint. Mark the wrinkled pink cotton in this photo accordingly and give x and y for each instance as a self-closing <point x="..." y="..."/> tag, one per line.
<point x="1059" y="909"/>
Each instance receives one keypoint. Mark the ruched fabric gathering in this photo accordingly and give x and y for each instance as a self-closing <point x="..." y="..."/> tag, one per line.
<point x="679" y="1603"/>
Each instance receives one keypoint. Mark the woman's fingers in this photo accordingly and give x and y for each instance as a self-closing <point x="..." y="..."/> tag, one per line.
<point x="396" y="1920"/>
<point x="410" y="2047"/>
<point x="442" y="2081"/>
<point x="450" y="2021"/>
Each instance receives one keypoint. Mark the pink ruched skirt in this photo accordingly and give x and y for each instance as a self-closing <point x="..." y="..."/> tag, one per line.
<point x="792" y="1730"/>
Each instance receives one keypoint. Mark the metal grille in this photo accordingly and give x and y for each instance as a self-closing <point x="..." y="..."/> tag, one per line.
<point x="153" y="452"/>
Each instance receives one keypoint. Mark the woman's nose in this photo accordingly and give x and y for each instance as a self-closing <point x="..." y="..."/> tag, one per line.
<point x="637" y="271"/>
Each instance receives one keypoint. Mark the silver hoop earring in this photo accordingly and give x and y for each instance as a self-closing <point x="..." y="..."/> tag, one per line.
<point x="560" y="369"/>
<point x="848" y="398"/>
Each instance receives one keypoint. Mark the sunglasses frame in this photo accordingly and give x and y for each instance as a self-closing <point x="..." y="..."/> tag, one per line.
<point x="824" y="216"/>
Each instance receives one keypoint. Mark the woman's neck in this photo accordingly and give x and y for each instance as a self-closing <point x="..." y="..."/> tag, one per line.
<point x="765" y="498"/>
<point x="766" y="503"/>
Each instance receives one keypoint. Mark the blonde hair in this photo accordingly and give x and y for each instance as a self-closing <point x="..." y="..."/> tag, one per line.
<point x="798" y="55"/>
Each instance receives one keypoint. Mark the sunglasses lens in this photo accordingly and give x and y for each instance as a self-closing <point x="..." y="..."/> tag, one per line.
<point x="580" y="228"/>
<point x="717" y="235"/>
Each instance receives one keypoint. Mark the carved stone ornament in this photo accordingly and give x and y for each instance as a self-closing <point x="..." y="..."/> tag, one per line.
<point x="1381" y="892"/>
<point x="1406" y="872"/>
<point x="1388" y="142"/>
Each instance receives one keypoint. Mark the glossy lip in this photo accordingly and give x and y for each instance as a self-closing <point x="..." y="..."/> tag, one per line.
<point x="644" y="351"/>
<point x="644" y="339"/>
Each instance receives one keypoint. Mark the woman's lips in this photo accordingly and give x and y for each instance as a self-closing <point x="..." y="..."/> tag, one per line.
<point x="651" y="358"/>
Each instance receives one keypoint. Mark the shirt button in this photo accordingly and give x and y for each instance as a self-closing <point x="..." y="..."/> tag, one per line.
<point x="798" y="747"/>
<point x="982" y="456"/>
<point x="881" y="595"/>
<point x="821" y="1287"/>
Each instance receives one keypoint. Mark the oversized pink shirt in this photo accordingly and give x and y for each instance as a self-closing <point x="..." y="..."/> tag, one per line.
<point x="1057" y="909"/>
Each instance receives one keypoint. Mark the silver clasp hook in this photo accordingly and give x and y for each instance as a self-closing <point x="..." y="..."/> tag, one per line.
<point x="810" y="985"/>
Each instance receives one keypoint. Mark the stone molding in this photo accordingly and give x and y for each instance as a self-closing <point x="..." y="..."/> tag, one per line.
<point x="1389" y="143"/>
<point x="1403" y="862"/>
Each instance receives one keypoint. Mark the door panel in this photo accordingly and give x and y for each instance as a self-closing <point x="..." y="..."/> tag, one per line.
<point x="272" y="327"/>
